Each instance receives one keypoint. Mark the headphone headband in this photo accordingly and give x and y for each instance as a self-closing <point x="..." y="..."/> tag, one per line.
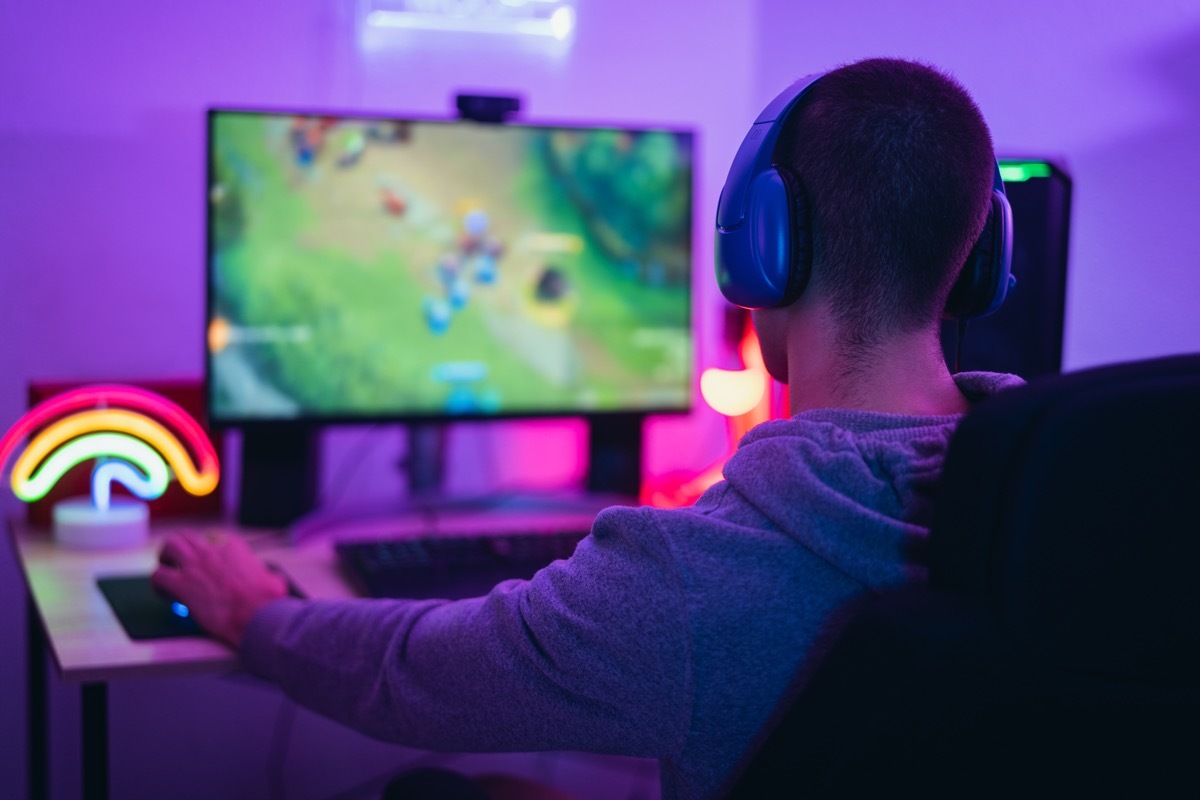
<point x="756" y="152"/>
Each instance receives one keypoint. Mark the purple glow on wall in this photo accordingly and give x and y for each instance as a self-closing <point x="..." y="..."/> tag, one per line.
<point x="101" y="149"/>
<point x="1111" y="93"/>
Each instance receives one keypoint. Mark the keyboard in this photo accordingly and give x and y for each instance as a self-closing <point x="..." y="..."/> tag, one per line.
<point x="451" y="566"/>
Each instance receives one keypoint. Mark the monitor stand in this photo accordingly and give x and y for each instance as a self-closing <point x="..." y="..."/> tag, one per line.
<point x="613" y="478"/>
<point x="614" y="468"/>
<point x="613" y="471"/>
<point x="425" y="463"/>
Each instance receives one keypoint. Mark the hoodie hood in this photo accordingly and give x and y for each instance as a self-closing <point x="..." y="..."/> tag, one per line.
<point x="855" y="487"/>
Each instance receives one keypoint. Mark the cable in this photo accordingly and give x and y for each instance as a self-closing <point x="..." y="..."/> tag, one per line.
<point x="959" y="335"/>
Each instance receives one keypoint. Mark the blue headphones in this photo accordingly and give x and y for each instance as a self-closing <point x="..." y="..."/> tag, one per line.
<point x="764" y="239"/>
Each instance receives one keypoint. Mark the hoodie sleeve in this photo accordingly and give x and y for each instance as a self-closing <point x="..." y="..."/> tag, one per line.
<point x="591" y="653"/>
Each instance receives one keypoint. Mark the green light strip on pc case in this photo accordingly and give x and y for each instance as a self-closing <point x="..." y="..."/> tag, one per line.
<point x="1017" y="171"/>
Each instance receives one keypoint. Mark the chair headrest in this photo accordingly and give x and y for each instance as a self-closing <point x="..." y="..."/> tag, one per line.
<point x="1071" y="508"/>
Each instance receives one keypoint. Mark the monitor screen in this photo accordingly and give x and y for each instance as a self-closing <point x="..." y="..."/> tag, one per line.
<point x="365" y="269"/>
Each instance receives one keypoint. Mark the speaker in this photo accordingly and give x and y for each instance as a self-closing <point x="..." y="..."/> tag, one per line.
<point x="763" y="253"/>
<point x="615" y="454"/>
<point x="279" y="476"/>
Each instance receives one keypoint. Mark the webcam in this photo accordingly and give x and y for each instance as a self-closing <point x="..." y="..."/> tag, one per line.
<point x="486" y="107"/>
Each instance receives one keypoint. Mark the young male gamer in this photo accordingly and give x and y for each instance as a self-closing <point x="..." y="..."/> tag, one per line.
<point x="672" y="634"/>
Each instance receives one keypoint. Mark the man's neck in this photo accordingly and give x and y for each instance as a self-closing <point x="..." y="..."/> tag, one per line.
<point x="905" y="375"/>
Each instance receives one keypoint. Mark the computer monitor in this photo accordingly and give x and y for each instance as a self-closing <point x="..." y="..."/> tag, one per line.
<point x="1025" y="336"/>
<point x="368" y="269"/>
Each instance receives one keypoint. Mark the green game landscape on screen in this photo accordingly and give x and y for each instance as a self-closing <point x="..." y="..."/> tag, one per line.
<point x="366" y="268"/>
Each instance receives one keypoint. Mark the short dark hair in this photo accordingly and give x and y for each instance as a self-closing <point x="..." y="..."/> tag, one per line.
<point x="897" y="164"/>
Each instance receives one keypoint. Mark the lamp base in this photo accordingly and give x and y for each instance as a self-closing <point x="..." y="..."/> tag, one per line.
<point x="78" y="524"/>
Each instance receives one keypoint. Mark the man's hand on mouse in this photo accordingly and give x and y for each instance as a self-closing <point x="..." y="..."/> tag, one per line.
<point x="221" y="581"/>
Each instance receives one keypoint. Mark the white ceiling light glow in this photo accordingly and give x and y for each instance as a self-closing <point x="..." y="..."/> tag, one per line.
<point x="554" y="19"/>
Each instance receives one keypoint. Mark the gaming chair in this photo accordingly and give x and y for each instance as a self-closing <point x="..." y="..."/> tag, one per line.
<point x="1056" y="650"/>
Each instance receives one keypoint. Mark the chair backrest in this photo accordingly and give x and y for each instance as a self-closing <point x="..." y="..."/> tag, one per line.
<point x="1057" y="647"/>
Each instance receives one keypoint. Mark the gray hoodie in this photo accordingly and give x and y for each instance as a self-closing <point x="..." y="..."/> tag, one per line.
<point x="669" y="634"/>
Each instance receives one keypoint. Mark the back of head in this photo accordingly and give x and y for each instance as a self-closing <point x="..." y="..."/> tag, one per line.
<point x="897" y="164"/>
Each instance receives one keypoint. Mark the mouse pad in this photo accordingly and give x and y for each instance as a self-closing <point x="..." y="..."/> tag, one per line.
<point x="143" y="612"/>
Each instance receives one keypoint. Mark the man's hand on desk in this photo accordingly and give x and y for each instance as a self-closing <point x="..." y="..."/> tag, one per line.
<point x="219" y="579"/>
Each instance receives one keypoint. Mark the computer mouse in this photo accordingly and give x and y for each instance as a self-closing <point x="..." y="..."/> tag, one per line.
<point x="172" y="602"/>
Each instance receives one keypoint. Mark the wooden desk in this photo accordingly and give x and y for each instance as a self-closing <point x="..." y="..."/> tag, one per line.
<point x="70" y="620"/>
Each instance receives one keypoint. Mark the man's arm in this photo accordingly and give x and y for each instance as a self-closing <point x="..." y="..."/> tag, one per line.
<point x="592" y="654"/>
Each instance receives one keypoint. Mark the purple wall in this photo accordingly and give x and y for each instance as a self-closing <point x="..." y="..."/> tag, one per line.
<point x="101" y="275"/>
<point x="1112" y="91"/>
<point x="101" y="241"/>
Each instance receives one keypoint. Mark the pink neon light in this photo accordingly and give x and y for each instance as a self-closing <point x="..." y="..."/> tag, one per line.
<point x="117" y="396"/>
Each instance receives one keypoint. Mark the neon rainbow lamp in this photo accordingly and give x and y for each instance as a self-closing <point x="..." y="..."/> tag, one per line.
<point x="137" y="438"/>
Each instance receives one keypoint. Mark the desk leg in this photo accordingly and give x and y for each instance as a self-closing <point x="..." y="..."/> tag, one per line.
<point x="38" y="743"/>
<point x="95" y="741"/>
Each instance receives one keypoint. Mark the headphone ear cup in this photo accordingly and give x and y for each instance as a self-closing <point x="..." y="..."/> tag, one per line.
<point x="774" y="261"/>
<point x="754" y="260"/>
<point x="985" y="278"/>
<point x="801" y="238"/>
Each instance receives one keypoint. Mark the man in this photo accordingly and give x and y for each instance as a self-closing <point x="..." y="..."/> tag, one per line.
<point x="673" y="634"/>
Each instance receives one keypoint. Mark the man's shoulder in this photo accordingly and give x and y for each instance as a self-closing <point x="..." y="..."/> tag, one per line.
<point x="660" y="532"/>
<point x="639" y="522"/>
